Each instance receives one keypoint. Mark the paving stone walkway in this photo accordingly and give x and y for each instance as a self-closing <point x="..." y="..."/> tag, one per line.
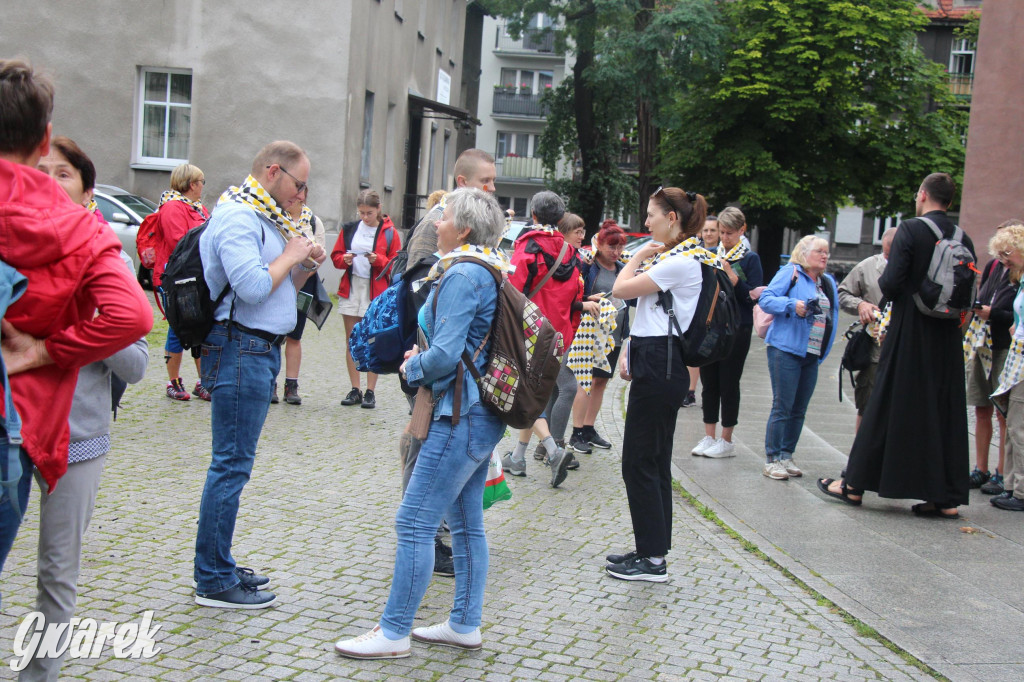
<point x="318" y="517"/>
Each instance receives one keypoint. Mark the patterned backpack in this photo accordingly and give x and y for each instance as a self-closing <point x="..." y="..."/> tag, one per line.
<point x="524" y="361"/>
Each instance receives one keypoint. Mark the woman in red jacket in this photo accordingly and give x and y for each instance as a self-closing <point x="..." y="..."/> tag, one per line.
<point x="362" y="253"/>
<point x="180" y="211"/>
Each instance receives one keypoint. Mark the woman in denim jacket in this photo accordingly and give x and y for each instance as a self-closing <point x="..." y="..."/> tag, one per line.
<point x="802" y="298"/>
<point x="448" y="480"/>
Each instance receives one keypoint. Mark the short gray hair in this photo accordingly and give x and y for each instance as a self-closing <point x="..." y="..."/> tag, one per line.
<point x="478" y="211"/>
<point x="547" y="207"/>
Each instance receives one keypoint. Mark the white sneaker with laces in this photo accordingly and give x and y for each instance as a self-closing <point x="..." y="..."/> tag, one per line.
<point x="701" y="447"/>
<point x="776" y="471"/>
<point x="791" y="468"/>
<point x="443" y="634"/>
<point x="373" y="644"/>
<point x="721" y="449"/>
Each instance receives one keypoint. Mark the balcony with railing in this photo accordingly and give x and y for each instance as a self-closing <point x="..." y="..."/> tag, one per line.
<point x="520" y="168"/>
<point x="508" y="102"/>
<point x="961" y="85"/>
<point x="533" y="41"/>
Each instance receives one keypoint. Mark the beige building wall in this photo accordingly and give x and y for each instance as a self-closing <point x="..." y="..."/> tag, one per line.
<point x="994" y="174"/>
<point x="261" y="71"/>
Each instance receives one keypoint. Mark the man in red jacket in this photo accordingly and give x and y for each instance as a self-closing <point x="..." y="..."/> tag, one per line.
<point x="81" y="304"/>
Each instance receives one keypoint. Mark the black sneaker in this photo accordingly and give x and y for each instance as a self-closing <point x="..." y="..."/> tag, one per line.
<point x="1009" y="503"/>
<point x="620" y="558"/>
<point x="690" y="399"/>
<point x="573" y="464"/>
<point x="591" y="435"/>
<point x="251" y="578"/>
<point x="994" y="486"/>
<point x="369" y="400"/>
<point x="354" y="397"/>
<point x="443" y="563"/>
<point x="238" y="597"/>
<point x="274" y="400"/>
<point x="639" y="568"/>
<point x="978" y="478"/>
<point x="579" y="443"/>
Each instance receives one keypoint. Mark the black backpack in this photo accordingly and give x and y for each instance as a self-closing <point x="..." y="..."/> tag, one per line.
<point x="856" y="355"/>
<point x="187" y="302"/>
<point x="712" y="331"/>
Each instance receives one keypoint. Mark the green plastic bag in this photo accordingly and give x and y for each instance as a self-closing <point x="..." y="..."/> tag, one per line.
<point x="495" y="489"/>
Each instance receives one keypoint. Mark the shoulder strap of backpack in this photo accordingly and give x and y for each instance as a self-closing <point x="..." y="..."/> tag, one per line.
<point x="551" y="271"/>
<point x="935" y="228"/>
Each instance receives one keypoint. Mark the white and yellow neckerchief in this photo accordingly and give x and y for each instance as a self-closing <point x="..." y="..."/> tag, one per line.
<point x="878" y="326"/>
<point x="175" y="195"/>
<point x="1012" y="374"/>
<point x="978" y="341"/>
<point x="734" y="254"/>
<point x="252" y="194"/>
<point x="593" y="342"/>
<point x="689" y="248"/>
<point x="492" y="257"/>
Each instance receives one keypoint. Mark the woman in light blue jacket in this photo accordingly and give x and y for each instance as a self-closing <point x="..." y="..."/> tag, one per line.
<point x="802" y="298"/>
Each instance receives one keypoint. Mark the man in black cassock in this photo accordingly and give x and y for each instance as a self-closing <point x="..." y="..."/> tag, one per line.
<point x="912" y="443"/>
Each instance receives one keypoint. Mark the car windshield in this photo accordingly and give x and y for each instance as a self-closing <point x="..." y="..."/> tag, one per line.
<point x="140" y="205"/>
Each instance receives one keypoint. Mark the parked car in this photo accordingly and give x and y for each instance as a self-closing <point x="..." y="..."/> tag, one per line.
<point x="125" y="212"/>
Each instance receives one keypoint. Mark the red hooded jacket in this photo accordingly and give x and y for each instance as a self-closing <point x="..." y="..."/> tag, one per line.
<point x="175" y="219"/>
<point x="80" y="298"/>
<point x="385" y="252"/>
<point x="561" y="297"/>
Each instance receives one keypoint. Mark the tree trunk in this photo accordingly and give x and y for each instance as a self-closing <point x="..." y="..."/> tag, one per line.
<point x="648" y="136"/>
<point x="769" y="247"/>
<point x="589" y="202"/>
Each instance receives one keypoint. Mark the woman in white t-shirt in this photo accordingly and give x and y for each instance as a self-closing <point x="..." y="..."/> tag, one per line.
<point x="363" y="251"/>
<point x="670" y="264"/>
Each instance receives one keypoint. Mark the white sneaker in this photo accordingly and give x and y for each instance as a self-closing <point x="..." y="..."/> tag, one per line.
<point x="373" y="645"/>
<point x="701" y="447"/>
<point x="775" y="470"/>
<point x="443" y="634"/>
<point x="791" y="468"/>
<point x="721" y="449"/>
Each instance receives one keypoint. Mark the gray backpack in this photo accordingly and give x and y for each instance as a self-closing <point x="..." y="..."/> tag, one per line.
<point x="951" y="283"/>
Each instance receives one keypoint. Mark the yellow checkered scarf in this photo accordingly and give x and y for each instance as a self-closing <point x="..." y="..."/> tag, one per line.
<point x="252" y="194"/>
<point x="689" y="248"/>
<point x="175" y="195"/>
<point x="978" y="341"/>
<point x="593" y="342"/>
<point x="492" y="257"/>
<point x="734" y="254"/>
<point x="1013" y="373"/>
<point x="92" y="206"/>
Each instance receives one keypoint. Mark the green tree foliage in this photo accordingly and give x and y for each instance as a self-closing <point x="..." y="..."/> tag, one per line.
<point x="623" y="50"/>
<point x="818" y="103"/>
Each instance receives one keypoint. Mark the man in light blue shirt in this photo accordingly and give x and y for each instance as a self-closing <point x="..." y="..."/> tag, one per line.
<point x="251" y="245"/>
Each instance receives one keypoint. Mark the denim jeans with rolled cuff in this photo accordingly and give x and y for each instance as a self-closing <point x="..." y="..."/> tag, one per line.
<point x="238" y="369"/>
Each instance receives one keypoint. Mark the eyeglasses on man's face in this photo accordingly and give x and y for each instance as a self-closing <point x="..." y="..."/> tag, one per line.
<point x="300" y="186"/>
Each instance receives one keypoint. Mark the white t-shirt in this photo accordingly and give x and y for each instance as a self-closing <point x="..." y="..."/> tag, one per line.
<point x="362" y="242"/>
<point x="680" y="275"/>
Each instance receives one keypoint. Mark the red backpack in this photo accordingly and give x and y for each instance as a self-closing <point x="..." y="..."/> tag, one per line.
<point x="146" y="240"/>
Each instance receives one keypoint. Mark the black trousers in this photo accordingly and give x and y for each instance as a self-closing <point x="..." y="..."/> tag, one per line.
<point x="651" y="412"/>
<point x="721" y="382"/>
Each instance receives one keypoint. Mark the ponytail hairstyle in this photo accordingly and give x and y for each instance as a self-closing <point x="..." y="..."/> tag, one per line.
<point x="690" y="208"/>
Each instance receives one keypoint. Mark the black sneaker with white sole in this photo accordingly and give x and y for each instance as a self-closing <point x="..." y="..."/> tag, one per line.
<point x="594" y="439"/>
<point x="248" y="577"/>
<point x="238" y="597"/>
<point x="639" y="568"/>
<point x="579" y="443"/>
<point x="620" y="558"/>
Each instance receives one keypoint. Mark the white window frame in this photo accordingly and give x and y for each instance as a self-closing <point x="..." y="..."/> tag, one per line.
<point x="883" y="223"/>
<point x="158" y="162"/>
<point x="961" y="47"/>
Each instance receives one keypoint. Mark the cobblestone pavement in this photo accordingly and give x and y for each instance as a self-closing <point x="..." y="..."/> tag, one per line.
<point x="318" y="515"/>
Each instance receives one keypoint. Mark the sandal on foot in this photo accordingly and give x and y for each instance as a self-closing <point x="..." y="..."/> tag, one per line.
<point x="932" y="509"/>
<point x="824" y="483"/>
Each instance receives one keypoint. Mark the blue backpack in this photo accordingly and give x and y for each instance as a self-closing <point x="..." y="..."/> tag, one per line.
<point x="378" y="341"/>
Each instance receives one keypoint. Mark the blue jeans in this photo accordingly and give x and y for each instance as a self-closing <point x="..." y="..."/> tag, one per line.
<point x="793" y="380"/>
<point x="448" y="482"/>
<point x="9" y="520"/>
<point x="238" y="370"/>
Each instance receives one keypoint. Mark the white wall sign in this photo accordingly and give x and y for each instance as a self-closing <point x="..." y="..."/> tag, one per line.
<point x="848" y="225"/>
<point x="444" y="87"/>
